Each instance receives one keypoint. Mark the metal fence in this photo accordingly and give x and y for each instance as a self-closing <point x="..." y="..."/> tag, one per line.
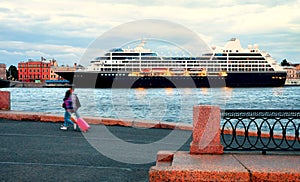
<point x="260" y="130"/>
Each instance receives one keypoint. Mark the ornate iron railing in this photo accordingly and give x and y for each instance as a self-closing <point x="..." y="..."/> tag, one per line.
<point x="262" y="130"/>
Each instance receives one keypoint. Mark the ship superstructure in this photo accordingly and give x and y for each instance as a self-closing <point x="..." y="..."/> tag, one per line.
<point x="230" y="66"/>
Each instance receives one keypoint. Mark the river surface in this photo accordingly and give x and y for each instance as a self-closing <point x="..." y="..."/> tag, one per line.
<point x="173" y="105"/>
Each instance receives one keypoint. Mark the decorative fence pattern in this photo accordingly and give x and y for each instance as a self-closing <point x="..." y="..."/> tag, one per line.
<point x="261" y="130"/>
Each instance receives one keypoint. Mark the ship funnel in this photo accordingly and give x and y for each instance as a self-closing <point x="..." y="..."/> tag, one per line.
<point x="233" y="44"/>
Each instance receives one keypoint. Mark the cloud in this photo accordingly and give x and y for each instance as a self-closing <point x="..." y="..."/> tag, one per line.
<point x="265" y="19"/>
<point x="11" y="53"/>
<point x="25" y="51"/>
<point x="73" y="25"/>
<point x="17" y="45"/>
<point x="92" y="18"/>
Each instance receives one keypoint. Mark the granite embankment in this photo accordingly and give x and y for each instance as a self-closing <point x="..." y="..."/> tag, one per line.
<point x="46" y="117"/>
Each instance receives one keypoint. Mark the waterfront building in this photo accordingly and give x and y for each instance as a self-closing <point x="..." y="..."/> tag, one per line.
<point x="53" y="75"/>
<point x="2" y="71"/>
<point x="40" y="71"/>
<point x="54" y="67"/>
<point x="34" y="71"/>
<point x="62" y="68"/>
<point x="297" y="71"/>
<point x="293" y="71"/>
<point x="293" y="74"/>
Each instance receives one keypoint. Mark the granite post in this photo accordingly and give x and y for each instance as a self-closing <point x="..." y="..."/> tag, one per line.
<point x="206" y="130"/>
<point x="4" y="100"/>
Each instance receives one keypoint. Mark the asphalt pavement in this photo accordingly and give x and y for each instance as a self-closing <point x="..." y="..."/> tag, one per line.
<point x="39" y="151"/>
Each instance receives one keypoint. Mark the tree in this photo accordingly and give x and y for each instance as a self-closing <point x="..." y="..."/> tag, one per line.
<point x="285" y="63"/>
<point x="12" y="73"/>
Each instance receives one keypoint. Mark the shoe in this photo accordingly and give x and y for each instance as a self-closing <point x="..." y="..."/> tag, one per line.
<point x="64" y="128"/>
<point x="75" y="126"/>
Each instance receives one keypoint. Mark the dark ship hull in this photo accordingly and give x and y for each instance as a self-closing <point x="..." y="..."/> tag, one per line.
<point x="4" y="83"/>
<point x="86" y="79"/>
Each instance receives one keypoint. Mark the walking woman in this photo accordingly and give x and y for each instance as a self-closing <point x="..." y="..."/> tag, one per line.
<point x="68" y="105"/>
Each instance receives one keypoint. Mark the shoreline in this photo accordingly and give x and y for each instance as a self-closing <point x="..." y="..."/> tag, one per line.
<point x="17" y="84"/>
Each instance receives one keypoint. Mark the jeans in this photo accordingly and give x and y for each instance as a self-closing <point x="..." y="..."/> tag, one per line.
<point x="67" y="119"/>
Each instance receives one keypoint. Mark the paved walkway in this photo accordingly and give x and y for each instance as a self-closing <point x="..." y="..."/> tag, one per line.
<point x="39" y="151"/>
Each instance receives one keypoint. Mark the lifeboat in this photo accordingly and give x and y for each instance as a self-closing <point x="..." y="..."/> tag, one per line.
<point x="177" y="71"/>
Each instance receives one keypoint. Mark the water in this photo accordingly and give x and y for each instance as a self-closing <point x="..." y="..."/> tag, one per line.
<point x="173" y="105"/>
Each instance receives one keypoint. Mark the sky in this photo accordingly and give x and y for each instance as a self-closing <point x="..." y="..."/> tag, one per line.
<point x="64" y="29"/>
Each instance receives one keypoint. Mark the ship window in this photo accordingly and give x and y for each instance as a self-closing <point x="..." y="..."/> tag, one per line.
<point x="149" y="54"/>
<point x="125" y="54"/>
<point x="244" y="54"/>
<point x="220" y="54"/>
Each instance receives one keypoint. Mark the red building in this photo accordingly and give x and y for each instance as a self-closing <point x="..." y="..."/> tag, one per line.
<point x="34" y="71"/>
<point x="2" y="71"/>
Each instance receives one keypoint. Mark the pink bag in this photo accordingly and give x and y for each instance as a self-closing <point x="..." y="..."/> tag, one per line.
<point x="83" y="125"/>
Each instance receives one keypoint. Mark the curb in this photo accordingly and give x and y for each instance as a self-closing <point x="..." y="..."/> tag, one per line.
<point x="55" y="118"/>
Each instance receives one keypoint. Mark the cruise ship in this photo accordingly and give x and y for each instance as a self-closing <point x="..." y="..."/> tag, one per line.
<point x="230" y="66"/>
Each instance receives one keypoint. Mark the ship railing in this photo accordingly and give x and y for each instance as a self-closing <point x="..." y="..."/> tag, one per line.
<point x="260" y="130"/>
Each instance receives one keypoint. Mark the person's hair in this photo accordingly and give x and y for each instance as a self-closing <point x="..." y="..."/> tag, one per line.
<point x="67" y="95"/>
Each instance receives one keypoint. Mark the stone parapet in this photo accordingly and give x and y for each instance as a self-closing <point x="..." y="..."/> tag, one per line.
<point x="226" y="167"/>
<point x="206" y="130"/>
<point x="187" y="167"/>
<point x="4" y="100"/>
